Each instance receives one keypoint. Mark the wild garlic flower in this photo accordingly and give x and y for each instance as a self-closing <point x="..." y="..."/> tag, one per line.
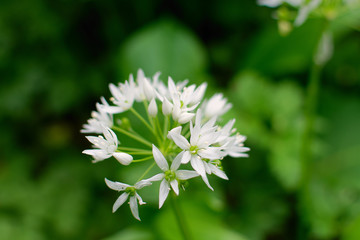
<point x="177" y="127"/>
<point x="169" y="176"/>
<point x="129" y="191"/>
<point x="106" y="148"/>
<point x="100" y="118"/>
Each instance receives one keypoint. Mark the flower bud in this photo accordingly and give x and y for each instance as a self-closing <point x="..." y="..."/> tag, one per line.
<point x="123" y="158"/>
<point x="166" y="107"/>
<point x="152" y="109"/>
<point x="185" y="117"/>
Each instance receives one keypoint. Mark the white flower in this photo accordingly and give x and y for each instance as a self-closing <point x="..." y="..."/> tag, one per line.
<point x="128" y="191"/>
<point x="106" y="147"/>
<point x="216" y="106"/>
<point x="199" y="147"/>
<point x="99" y="119"/>
<point x="185" y="101"/>
<point x="232" y="145"/>
<point x="123" y="97"/>
<point x="170" y="176"/>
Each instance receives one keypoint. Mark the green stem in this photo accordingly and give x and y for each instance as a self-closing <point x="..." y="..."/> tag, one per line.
<point x="133" y="149"/>
<point x="143" y="159"/>
<point x="140" y="153"/>
<point x="311" y="103"/>
<point x="142" y="120"/>
<point x="157" y="123"/>
<point x="179" y="217"/>
<point x="146" y="171"/>
<point x="137" y="138"/>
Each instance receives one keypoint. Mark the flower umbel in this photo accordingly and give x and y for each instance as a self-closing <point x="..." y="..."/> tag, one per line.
<point x="180" y="132"/>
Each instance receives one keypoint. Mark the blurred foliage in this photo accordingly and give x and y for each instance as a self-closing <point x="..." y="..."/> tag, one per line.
<point x="57" y="58"/>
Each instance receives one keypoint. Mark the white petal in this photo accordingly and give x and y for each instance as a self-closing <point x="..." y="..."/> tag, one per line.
<point x="217" y="172"/>
<point x="179" y="140"/>
<point x="120" y="201"/>
<point x="206" y="181"/>
<point x="160" y="159"/>
<point x="134" y="207"/>
<point x="177" y="161"/>
<point x="97" y="154"/>
<point x="173" y="131"/>
<point x="110" y="136"/>
<point x="155" y="178"/>
<point x="175" y="186"/>
<point x="164" y="192"/>
<point x="141" y="202"/>
<point x="118" y="186"/>
<point x="123" y="158"/>
<point x="186" y="174"/>
<point x="210" y="153"/>
<point x="152" y="109"/>
<point x="113" y="109"/>
<point x="148" y="89"/>
<point x="142" y="183"/>
<point x="198" y="165"/>
<point x="199" y="93"/>
<point x="186" y="157"/>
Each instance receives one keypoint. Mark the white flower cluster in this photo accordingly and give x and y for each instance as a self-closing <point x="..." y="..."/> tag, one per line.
<point x="189" y="137"/>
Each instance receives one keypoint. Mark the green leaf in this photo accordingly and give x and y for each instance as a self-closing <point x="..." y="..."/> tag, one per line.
<point x="274" y="54"/>
<point x="167" y="47"/>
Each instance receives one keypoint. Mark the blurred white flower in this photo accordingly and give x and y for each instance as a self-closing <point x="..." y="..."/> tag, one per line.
<point x="216" y="106"/>
<point x="100" y="118"/>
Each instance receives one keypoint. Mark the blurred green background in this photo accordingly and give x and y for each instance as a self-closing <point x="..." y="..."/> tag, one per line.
<point x="57" y="59"/>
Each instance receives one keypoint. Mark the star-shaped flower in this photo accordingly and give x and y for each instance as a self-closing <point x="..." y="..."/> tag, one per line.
<point x="200" y="146"/>
<point x="106" y="147"/>
<point x="128" y="192"/>
<point x="169" y="176"/>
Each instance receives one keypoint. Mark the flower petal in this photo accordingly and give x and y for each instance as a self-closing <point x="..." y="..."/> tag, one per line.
<point x="120" y="201"/>
<point x="118" y="186"/>
<point x="186" y="174"/>
<point x="142" y="183"/>
<point x="179" y="140"/>
<point x="134" y="207"/>
<point x="160" y="159"/>
<point x="206" y="181"/>
<point x="164" y="192"/>
<point x="210" y="153"/>
<point x="175" y="186"/>
<point x="155" y="178"/>
<point x="177" y="161"/>
<point x="198" y="165"/>
<point x="186" y="157"/>
<point x="141" y="202"/>
<point x="218" y="172"/>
